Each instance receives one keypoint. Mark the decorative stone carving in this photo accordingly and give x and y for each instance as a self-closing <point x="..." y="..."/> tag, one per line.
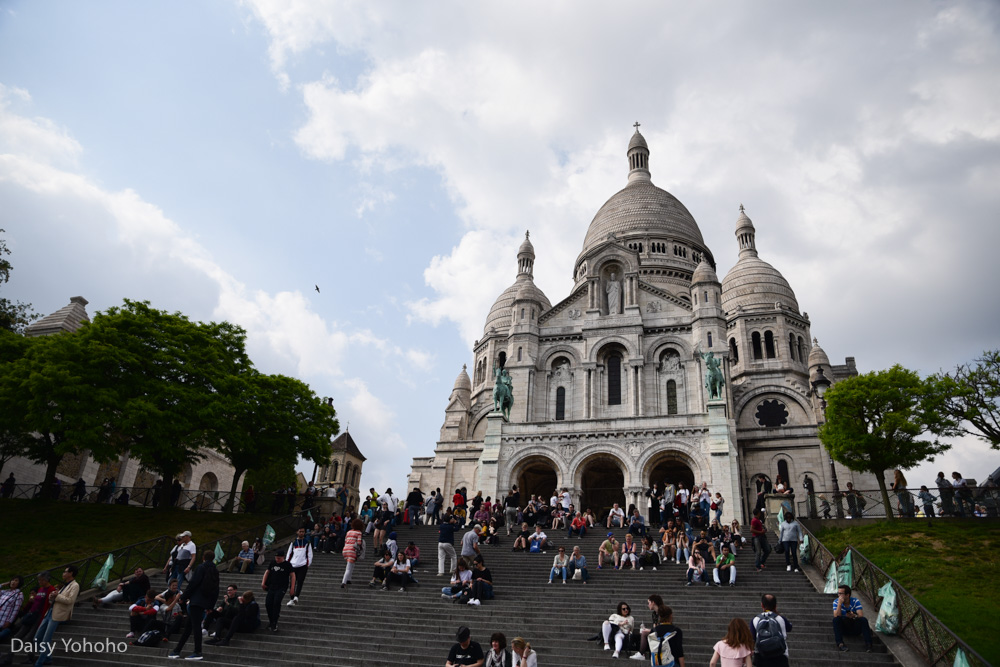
<point x="567" y="450"/>
<point x="634" y="448"/>
<point x="575" y="313"/>
<point x="654" y="307"/>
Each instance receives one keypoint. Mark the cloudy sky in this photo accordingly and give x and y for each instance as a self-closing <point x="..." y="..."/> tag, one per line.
<point x="221" y="158"/>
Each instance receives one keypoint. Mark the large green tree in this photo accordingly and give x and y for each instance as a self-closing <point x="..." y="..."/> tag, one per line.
<point x="975" y="397"/>
<point x="271" y="419"/>
<point x="14" y="315"/>
<point x="166" y="373"/>
<point x="51" y="390"/>
<point x="874" y="422"/>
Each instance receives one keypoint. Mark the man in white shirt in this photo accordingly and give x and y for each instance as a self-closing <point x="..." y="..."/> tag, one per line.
<point x="539" y="537"/>
<point x="616" y="517"/>
<point x="185" y="556"/>
<point x="564" y="499"/>
<point x="299" y="556"/>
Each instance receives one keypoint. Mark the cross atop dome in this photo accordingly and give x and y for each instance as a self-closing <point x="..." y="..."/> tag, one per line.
<point x="636" y="125"/>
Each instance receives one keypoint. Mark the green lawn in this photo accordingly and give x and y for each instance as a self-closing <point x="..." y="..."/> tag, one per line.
<point x="950" y="567"/>
<point x="43" y="534"/>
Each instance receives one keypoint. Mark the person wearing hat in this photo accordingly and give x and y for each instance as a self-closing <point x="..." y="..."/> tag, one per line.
<point x="465" y="652"/>
<point x="608" y="551"/>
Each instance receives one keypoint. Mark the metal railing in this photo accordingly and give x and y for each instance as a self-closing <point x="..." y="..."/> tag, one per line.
<point x="155" y="552"/>
<point x="147" y="496"/>
<point x="868" y="504"/>
<point x="927" y="635"/>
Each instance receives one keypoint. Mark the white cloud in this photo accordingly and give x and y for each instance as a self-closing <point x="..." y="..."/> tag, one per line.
<point x="284" y="333"/>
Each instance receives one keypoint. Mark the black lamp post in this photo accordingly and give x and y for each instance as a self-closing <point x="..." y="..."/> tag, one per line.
<point x="819" y="386"/>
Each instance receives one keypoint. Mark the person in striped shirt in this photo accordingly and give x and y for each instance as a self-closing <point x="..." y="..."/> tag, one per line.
<point x="849" y="618"/>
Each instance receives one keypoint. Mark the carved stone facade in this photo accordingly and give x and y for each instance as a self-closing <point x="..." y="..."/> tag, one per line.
<point x="609" y="397"/>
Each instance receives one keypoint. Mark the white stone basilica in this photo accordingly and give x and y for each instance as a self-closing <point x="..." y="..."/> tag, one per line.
<point x="609" y="391"/>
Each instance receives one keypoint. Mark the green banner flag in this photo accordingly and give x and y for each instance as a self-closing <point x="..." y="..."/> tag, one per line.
<point x="781" y="515"/>
<point x="960" y="659"/>
<point x="804" y="549"/>
<point x="269" y="535"/>
<point x="831" y="579"/>
<point x="101" y="580"/>
<point x="309" y="513"/>
<point x="220" y="555"/>
<point x="846" y="573"/>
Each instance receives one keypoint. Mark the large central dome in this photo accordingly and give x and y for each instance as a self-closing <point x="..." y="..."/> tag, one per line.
<point x="642" y="208"/>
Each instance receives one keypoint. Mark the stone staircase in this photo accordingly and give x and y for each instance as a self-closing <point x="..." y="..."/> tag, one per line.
<point x="362" y="627"/>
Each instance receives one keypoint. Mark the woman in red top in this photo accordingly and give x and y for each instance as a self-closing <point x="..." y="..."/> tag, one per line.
<point x="353" y="543"/>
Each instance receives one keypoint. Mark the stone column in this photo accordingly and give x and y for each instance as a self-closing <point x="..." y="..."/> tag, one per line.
<point x="723" y="458"/>
<point x="489" y="459"/>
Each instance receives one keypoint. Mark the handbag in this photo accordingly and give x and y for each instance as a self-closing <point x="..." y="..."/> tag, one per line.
<point x="780" y="547"/>
<point x="577" y="574"/>
<point x="714" y="506"/>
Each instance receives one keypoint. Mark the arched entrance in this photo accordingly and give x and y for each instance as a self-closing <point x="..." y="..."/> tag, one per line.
<point x="602" y="484"/>
<point x="671" y="471"/>
<point x="537" y="476"/>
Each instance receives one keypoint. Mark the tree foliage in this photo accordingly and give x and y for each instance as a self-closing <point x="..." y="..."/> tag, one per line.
<point x="271" y="419"/>
<point x="14" y="315"/>
<point x="166" y="373"/>
<point x="875" y="422"/>
<point x="51" y="390"/>
<point x="975" y="397"/>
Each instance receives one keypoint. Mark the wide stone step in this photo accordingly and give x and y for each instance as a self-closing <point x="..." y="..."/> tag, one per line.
<point x="357" y="626"/>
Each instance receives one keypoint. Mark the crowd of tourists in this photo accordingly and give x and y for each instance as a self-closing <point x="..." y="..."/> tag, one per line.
<point x="681" y="530"/>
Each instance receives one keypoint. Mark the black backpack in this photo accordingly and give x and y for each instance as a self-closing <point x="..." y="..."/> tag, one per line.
<point x="150" y="638"/>
<point x="770" y="639"/>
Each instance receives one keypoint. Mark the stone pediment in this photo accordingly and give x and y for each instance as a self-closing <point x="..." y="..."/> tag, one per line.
<point x="568" y="311"/>
<point x="666" y="300"/>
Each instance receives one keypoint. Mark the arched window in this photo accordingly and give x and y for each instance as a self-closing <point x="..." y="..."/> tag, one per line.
<point x="560" y="404"/>
<point x="734" y="351"/>
<point x="769" y="344"/>
<point x="783" y="471"/>
<point x="755" y="341"/>
<point x="791" y="346"/>
<point x="334" y="470"/>
<point x="802" y="350"/>
<point x="671" y="397"/>
<point x="354" y="476"/>
<point x="614" y="364"/>
<point x="519" y="354"/>
<point x="710" y="339"/>
<point x="522" y="313"/>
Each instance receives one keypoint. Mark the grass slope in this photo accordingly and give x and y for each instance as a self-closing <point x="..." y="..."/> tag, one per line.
<point x="45" y="534"/>
<point x="950" y="567"/>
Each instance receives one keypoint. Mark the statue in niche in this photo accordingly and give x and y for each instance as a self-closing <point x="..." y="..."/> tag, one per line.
<point x="614" y="290"/>
<point x="713" y="374"/>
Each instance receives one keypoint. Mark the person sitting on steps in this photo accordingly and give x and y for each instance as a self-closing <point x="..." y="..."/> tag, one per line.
<point x="608" y="550"/>
<point x="559" y="565"/>
<point x="724" y="567"/>
<point x="629" y="553"/>
<point x="849" y="618"/>
<point x="521" y="541"/>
